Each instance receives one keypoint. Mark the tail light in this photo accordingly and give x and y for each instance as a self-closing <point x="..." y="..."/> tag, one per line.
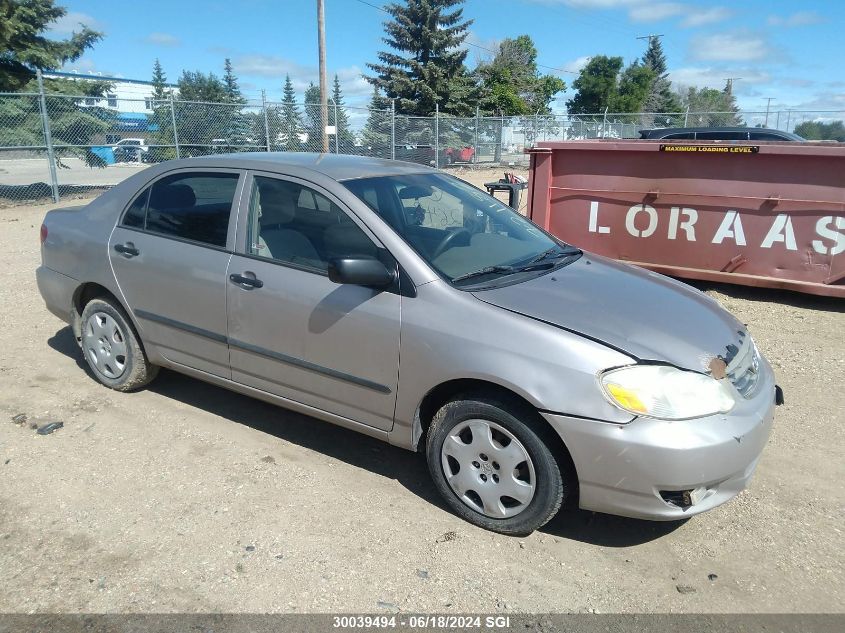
<point x="43" y="233"/>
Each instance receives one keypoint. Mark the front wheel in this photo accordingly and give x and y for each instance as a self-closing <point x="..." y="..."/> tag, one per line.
<point x="491" y="467"/>
<point x="112" y="348"/>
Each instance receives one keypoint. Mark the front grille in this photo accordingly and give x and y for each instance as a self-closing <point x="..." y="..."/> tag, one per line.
<point x="743" y="370"/>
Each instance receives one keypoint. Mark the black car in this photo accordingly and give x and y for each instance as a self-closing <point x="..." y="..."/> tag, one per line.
<point x="719" y="134"/>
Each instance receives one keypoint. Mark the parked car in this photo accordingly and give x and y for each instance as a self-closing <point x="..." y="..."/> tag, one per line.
<point x="403" y="303"/>
<point x="459" y="154"/>
<point x="719" y="134"/>
<point x="130" y="150"/>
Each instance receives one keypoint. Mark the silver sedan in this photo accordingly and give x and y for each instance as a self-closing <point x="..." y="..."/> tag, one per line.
<point x="403" y="303"/>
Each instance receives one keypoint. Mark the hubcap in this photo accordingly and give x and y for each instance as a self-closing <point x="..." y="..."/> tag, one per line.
<point x="105" y="345"/>
<point x="488" y="468"/>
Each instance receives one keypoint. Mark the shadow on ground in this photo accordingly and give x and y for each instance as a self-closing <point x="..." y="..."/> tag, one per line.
<point x="772" y="295"/>
<point x="364" y="452"/>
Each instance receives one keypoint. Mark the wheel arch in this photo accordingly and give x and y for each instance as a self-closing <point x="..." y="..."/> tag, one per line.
<point x="468" y="387"/>
<point x="87" y="291"/>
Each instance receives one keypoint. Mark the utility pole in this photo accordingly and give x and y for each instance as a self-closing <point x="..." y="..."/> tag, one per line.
<point x="650" y="37"/>
<point x="324" y="105"/>
<point x="768" y="103"/>
<point x="729" y="84"/>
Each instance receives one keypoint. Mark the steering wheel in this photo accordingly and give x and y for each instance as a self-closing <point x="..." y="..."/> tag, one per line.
<point x="450" y="240"/>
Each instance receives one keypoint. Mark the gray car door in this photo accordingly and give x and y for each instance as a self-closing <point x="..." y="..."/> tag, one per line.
<point x="169" y="253"/>
<point x="293" y="332"/>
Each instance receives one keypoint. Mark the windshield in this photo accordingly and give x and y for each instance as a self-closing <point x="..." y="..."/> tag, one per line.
<point x="466" y="235"/>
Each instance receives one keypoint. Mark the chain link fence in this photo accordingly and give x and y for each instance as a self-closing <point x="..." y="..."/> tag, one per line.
<point x="59" y="147"/>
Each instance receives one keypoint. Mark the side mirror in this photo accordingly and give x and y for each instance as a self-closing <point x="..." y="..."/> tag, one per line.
<point x="360" y="271"/>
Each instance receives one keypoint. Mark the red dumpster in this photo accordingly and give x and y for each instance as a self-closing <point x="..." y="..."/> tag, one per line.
<point x="760" y="214"/>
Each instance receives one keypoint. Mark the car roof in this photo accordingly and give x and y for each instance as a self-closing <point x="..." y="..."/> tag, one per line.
<point x="680" y="130"/>
<point x="336" y="166"/>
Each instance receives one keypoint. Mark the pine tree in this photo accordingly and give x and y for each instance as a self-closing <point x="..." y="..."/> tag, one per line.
<point x="160" y="91"/>
<point x="233" y="91"/>
<point x="313" y="123"/>
<point x="376" y="134"/>
<point x="426" y="64"/>
<point x="27" y="43"/>
<point x="339" y="118"/>
<point x="731" y="108"/>
<point x="291" y="119"/>
<point x="660" y="97"/>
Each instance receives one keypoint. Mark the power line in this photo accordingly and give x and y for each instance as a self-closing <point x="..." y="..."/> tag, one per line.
<point x="483" y="48"/>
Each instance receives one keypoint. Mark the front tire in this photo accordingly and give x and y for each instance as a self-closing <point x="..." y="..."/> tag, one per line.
<point x="491" y="466"/>
<point x="112" y="348"/>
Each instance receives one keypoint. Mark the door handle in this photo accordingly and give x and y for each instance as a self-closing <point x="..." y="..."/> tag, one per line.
<point x="127" y="249"/>
<point x="252" y="282"/>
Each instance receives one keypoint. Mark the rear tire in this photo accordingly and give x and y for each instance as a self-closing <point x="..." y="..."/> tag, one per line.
<point x="112" y="348"/>
<point x="491" y="467"/>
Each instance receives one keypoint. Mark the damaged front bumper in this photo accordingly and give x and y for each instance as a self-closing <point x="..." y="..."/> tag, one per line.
<point x="669" y="470"/>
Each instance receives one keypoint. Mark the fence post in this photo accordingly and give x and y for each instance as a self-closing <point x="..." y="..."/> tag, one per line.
<point x="48" y="139"/>
<point x="437" y="136"/>
<point x="604" y="124"/>
<point x="475" y="147"/>
<point x="393" y="129"/>
<point x="686" y="117"/>
<point x="173" y="120"/>
<point x="266" y="125"/>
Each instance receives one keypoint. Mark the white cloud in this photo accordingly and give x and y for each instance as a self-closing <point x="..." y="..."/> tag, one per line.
<point x="577" y="64"/>
<point x="73" y="21"/>
<point x="654" y="12"/>
<point x="801" y="18"/>
<point x="163" y="39"/>
<point x="700" y="17"/>
<point x="729" y="47"/>
<point x="709" y="77"/>
<point x="352" y="83"/>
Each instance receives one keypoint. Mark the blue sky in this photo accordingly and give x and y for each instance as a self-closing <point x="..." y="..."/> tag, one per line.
<point x="786" y="50"/>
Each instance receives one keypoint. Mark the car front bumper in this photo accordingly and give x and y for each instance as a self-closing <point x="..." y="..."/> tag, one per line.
<point x="623" y="468"/>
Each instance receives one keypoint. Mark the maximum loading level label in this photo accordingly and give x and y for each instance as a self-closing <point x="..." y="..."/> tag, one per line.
<point x="710" y="149"/>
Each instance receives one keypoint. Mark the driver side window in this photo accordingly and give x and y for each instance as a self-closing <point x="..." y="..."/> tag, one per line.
<point x="292" y="223"/>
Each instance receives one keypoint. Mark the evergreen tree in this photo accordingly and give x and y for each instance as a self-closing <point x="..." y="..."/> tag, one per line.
<point x="25" y="45"/>
<point x="291" y="119"/>
<point x="731" y="108"/>
<point x="376" y="134"/>
<point x="426" y="65"/>
<point x="339" y="118"/>
<point x="660" y="97"/>
<point x="313" y="124"/>
<point x="160" y="90"/>
<point x="230" y="83"/>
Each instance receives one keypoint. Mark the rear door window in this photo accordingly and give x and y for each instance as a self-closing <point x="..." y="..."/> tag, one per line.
<point x="193" y="206"/>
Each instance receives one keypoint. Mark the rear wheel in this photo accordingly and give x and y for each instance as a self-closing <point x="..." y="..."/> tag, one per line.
<point x="491" y="467"/>
<point x="112" y="348"/>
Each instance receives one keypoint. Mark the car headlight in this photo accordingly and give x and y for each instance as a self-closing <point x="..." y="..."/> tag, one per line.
<point x="664" y="392"/>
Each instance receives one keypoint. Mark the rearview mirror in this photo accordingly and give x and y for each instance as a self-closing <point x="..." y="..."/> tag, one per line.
<point x="360" y="271"/>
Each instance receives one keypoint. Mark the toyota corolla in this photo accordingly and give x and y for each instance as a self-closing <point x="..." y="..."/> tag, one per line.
<point x="401" y="302"/>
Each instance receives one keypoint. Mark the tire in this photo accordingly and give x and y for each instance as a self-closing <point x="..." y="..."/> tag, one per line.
<point x="459" y="437"/>
<point x="112" y="348"/>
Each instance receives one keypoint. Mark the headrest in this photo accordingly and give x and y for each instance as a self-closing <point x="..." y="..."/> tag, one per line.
<point x="277" y="205"/>
<point x="172" y="197"/>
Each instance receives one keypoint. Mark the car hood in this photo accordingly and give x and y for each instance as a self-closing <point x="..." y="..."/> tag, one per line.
<point x="644" y="314"/>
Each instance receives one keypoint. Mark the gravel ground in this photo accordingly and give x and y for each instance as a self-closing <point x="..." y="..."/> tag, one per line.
<point x="187" y="497"/>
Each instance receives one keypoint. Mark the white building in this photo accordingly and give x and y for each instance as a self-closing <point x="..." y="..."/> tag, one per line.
<point x="126" y="95"/>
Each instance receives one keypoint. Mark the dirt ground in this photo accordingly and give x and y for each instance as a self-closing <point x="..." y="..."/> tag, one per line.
<point x="187" y="497"/>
